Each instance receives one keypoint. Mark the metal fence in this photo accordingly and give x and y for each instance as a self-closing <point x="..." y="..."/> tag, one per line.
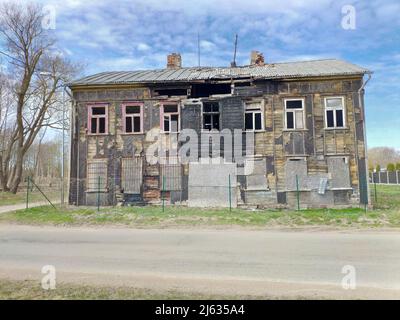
<point x="385" y="177"/>
<point x="36" y="191"/>
<point x="169" y="187"/>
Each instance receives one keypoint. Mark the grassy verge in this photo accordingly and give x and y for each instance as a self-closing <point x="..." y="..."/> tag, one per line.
<point x="31" y="290"/>
<point x="386" y="214"/>
<point x="8" y="198"/>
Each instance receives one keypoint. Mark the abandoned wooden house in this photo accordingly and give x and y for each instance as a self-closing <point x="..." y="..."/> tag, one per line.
<point x="307" y="120"/>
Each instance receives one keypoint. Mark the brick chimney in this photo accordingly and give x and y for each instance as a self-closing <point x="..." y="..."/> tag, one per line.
<point x="257" y="58"/>
<point x="174" y="61"/>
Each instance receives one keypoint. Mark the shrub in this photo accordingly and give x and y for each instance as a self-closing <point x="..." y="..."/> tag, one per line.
<point x="391" y="167"/>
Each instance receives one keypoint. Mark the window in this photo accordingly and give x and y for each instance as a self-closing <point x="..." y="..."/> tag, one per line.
<point x="132" y="117"/>
<point x="170" y="121"/>
<point x="294" y="113"/>
<point x="334" y="112"/>
<point x="97" y="175"/>
<point x="171" y="174"/>
<point x="132" y="175"/>
<point x="253" y="117"/>
<point x="211" y="116"/>
<point x="98" y="119"/>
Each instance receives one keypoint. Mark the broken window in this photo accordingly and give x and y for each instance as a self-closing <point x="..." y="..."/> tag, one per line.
<point x="97" y="175"/>
<point x="171" y="92"/>
<point x="132" y="175"/>
<point x="98" y="119"/>
<point x="294" y="113"/>
<point x="253" y="119"/>
<point x="211" y="116"/>
<point x="170" y="121"/>
<point x="207" y="89"/>
<point x="132" y="115"/>
<point x="334" y="112"/>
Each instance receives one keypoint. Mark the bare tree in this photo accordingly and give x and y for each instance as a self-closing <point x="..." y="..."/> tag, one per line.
<point x="39" y="73"/>
<point x="383" y="156"/>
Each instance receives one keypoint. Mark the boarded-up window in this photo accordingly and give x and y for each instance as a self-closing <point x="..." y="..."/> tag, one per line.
<point x="296" y="174"/>
<point x="97" y="175"/>
<point x="339" y="170"/>
<point x="171" y="175"/>
<point x="132" y="175"/>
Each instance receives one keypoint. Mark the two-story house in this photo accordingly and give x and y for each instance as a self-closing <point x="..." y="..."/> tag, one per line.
<point x="304" y="124"/>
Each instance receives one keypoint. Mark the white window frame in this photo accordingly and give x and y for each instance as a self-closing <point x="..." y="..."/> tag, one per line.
<point x="261" y="111"/>
<point x="343" y="108"/>
<point x="294" y="114"/>
<point x="169" y="114"/>
<point x="211" y="113"/>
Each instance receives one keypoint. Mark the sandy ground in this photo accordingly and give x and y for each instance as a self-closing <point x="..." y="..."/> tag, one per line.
<point x="19" y="206"/>
<point x="223" y="262"/>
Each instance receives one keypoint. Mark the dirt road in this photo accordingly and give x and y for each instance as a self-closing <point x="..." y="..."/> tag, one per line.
<point x="238" y="262"/>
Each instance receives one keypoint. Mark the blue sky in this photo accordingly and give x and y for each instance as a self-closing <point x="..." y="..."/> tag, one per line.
<point x="129" y="35"/>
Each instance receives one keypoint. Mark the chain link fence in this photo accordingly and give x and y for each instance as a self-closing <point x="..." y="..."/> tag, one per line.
<point x="42" y="191"/>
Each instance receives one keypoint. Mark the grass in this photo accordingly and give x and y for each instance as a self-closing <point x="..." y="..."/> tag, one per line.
<point x="386" y="214"/>
<point x="32" y="290"/>
<point x="8" y="198"/>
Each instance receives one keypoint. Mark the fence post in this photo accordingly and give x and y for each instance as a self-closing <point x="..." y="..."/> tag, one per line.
<point x="163" y="193"/>
<point x="397" y="177"/>
<point x="27" y="194"/>
<point x="387" y="177"/>
<point x="376" y="195"/>
<point x="98" y="194"/>
<point x="230" y="193"/>
<point x="297" y="193"/>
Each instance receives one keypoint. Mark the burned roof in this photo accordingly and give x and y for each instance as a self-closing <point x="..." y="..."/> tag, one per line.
<point x="301" y="69"/>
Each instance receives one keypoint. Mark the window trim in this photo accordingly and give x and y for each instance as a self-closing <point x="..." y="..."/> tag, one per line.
<point x="343" y="108"/>
<point x="170" y="103"/>
<point x="202" y="116"/>
<point x="262" y="111"/>
<point x="294" y="118"/>
<point x="90" y="107"/>
<point x="124" y="115"/>
<point x="103" y="160"/>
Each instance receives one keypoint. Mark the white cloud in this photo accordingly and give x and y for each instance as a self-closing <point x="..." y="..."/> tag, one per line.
<point x="143" y="46"/>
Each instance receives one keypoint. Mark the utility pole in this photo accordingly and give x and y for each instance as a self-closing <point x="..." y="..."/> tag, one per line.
<point x="198" y="48"/>
<point x="233" y="63"/>
<point x="63" y="147"/>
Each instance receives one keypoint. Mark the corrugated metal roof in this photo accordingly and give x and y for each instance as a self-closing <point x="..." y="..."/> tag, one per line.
<point x="301" y="69"/>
